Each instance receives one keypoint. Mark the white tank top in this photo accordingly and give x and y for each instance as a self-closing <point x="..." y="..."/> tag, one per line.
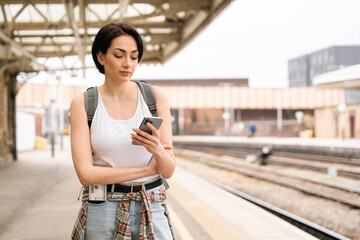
<point x="111" y="139"/>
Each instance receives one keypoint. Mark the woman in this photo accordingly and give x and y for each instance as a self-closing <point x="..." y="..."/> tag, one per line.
<point x="130" y="211"/>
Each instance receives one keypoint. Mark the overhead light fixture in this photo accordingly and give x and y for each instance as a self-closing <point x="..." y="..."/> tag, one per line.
<point x="165" y="6"/>
<point x="147" y="38"/>
<point x="180" y="14"/>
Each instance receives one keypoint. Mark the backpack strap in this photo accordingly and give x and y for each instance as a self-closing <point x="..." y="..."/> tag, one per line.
<point x="91" y="101"/>
<point x="149" y="96"/>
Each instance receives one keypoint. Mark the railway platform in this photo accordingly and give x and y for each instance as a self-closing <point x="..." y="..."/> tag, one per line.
<point x="39" y="201"/>
<point x="350" y="143"/>
<point x="208" y="212"/>
<point x="341" y="148"/>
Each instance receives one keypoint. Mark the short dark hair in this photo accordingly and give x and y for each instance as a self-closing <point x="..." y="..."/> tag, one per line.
<point x="107" y="33"/>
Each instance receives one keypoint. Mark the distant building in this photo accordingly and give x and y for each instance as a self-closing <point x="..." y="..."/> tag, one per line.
<point x="346" y="117"/>
<point x="238" y="82"/>
<point x="206" y="107"/>
<point x="303" y="69"/>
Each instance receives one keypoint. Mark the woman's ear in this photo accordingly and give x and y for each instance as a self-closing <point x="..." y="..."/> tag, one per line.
<point x="100" y="58"/>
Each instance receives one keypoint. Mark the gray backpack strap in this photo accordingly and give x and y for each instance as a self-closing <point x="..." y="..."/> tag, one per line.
<point x="91" y="101"/>
<point x="149" y="96"/>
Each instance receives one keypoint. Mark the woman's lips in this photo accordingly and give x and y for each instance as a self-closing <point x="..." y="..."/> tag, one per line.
<point x="125" y="73"/>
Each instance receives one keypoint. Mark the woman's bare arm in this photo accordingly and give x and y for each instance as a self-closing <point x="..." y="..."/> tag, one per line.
<point x="165" y="161"/>
<point x="82" y="153"/>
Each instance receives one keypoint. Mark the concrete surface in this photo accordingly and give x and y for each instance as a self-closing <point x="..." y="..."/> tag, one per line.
<point x="38" y="195"/>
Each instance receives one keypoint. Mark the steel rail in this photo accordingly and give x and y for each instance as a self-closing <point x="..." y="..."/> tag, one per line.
<point x="306" y="225"/>
<point x="344" y="195"/>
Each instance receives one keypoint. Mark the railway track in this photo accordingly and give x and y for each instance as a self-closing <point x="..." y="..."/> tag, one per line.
<point x="307" y="226"/>
<point x="326" y="154"/>
<point x="320" y="164"/>
<point x="344" y="194"/>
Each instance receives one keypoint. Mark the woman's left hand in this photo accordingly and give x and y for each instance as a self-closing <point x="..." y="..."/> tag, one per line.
<point x="150" y="142"/>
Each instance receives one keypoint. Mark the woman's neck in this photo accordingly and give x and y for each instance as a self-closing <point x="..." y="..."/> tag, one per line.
<point x="117" y="90"/>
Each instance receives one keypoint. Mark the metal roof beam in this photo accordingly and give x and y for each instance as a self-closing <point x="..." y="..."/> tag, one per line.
<point x="41" y="14"/>
<point x="87" y="1"/>
<point x="201" y="20"/>
<point x="159" y="2"/>
<point x="155" y="37"/>
<point x="4" y="14"/>
<point x="96" y="15"/>
<point x="167" y="26"/>
<point x="123" y="5"/>
<point x="20" y="50"/>
<point x="148" y="57"/>
<point x="20" y="11"/>
<point x="70" y="12"/>
<point x="83" y="20"/>
<point x="62" y="25"/>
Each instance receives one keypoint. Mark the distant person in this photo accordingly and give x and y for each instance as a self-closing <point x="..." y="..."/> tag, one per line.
<point x="105" y="158"/>
<point x="252" y="130"/>
<point x="264" y="154"/>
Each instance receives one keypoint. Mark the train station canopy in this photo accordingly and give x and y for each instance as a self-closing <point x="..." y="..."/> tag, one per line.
<point x="347" y="77"/>
<point x="30" y="30"/>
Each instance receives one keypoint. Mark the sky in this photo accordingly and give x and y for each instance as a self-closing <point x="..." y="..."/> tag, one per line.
<point x="255" y="39"/>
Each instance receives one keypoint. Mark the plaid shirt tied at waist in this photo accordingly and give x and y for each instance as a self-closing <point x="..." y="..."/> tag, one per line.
<point x="122" y="226"/>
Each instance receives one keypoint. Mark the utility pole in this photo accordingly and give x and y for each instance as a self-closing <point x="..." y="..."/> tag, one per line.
<point x="52" y="119"/>
<point x="61" y="112"/>
<point x="279" y="113"/>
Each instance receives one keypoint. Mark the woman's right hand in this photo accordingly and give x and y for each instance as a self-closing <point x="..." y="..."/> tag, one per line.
<point x="151" y="167"/>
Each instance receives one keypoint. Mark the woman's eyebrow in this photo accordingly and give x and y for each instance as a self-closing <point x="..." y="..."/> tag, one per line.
<point x="124" y="51"/>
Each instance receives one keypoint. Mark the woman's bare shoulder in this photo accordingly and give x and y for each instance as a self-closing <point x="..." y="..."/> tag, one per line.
<point x="78" y="104"/>
<point x="161" y="101"/>
<point x="160" y="95"/>
<point x="78" y="100"/>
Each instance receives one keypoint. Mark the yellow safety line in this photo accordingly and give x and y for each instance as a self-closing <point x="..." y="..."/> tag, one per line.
<point x="179" y="225"/>
<point x="211" y="222"/>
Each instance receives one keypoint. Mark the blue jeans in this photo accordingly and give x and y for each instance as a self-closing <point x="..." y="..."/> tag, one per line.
<point x="100" y="221"/>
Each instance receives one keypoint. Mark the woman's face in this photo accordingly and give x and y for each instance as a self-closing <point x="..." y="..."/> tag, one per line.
<point x="121" y="58"/>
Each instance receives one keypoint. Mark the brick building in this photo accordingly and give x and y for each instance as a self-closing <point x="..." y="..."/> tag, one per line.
<point x="218" y="106"/>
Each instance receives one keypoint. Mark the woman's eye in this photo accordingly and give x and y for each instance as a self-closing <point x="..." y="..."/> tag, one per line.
<point x="134" y="58"/>
<point x="118" y="56"/>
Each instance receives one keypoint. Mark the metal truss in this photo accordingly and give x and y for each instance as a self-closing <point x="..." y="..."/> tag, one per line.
<point x="57" y="28"/>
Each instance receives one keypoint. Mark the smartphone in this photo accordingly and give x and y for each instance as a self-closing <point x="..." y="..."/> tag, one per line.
<point x="155" y="121"/>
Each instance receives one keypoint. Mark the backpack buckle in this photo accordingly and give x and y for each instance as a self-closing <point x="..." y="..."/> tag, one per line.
<point x="152" y="107"/>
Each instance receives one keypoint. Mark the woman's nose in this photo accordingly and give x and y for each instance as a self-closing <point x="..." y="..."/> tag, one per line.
<point x="127" y="62"/>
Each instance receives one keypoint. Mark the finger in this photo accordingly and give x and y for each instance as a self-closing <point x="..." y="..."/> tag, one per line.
<point x="133" y="137"/>
<point x="168" y="147"/>
<point x="142" y="140"/>
<point x="171" y="154"/>
<point x="144" y="134"/>
<point x="137" y="138"/>
<point x="153" y="129"/>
